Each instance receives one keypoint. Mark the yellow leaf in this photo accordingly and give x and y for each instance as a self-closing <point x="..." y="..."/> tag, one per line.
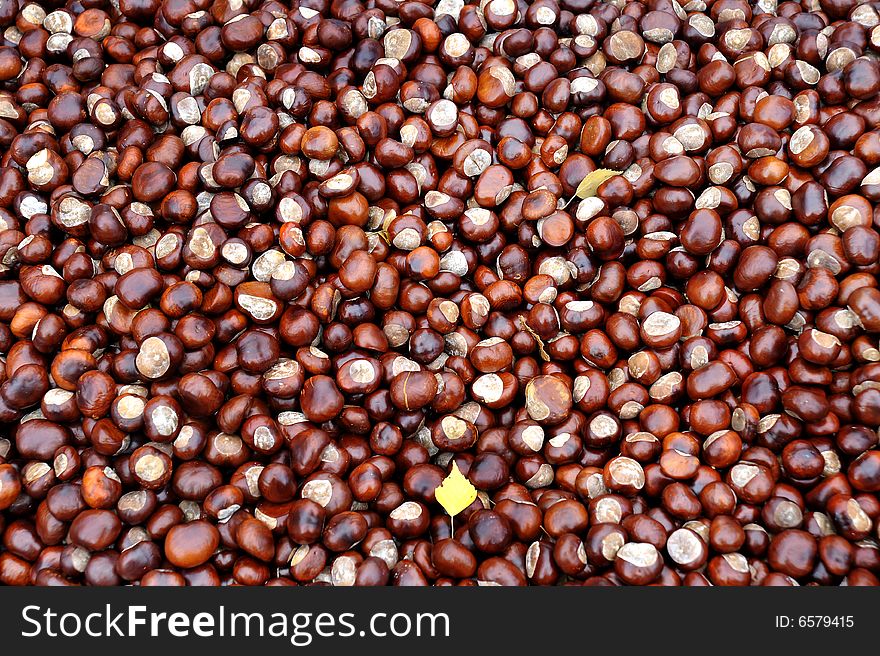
<point x="455" y="493"/>
<point x="588" y="186"/>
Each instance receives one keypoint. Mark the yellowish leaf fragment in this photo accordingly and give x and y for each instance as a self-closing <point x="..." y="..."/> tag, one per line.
<point x="528" y="329"/>
<point x="455" y="493"/>
<point x="588" y="186"/>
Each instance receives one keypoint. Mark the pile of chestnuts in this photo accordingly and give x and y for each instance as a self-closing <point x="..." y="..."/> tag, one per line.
<point x="270" y="270"/>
